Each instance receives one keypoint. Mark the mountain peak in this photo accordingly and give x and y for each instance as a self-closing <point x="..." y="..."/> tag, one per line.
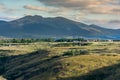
<point x="27" y="20"/>
<point x="32" y="16"/>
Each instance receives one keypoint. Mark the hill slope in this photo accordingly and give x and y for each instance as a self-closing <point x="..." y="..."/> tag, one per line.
<point x="40" y="66"/>
<point x="37" y="26"/>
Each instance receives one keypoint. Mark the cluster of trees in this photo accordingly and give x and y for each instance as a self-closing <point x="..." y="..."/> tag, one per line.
<point x="70" y="40"/>
<point x="72" y="44"/>
<point x="31" y="40"/>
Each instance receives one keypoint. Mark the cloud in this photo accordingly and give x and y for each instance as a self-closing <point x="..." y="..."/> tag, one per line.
<point x="104" y="10"/>
<point x="6" y="10"/>
<point x="9" y="18"/>
<point x="39" y="8"/>
<point x="86" y="6"/>
<point x="115" y="21"/>
<point x="114" y="24"/>
<point x="95" y="21"/>
<point x="2" y="7"/>
<point x="69" y="3"/>
<point x="116" y="10"/>
<point x="51" y="10"/>
<point x="102" y="21"/>
<point x="78" y="3"/>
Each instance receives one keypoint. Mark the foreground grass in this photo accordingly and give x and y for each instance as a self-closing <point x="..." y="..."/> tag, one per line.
<point x="45" y="62"/>
<point x="95" y="48"/>
<point x="20" y="48"/>
<point x="40" y="66"/>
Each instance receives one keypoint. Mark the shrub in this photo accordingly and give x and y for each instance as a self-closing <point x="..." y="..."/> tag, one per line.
<point x="76" y="52"/>
<point x="83" y="52"/>
<point x="68" y="53"/>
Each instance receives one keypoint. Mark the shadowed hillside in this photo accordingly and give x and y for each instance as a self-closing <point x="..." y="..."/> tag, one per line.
<point x="33" y="66"/>
<point x="40" y="65"/>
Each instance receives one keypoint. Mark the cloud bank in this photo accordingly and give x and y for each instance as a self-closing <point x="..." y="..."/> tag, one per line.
<point x="87" y="6"/>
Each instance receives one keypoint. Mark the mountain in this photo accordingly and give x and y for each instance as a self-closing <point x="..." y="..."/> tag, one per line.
<point x="38" y="26"/>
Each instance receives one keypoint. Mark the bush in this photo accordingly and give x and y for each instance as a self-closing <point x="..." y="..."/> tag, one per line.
<point x="83" y="52"/>
<point x="76" y="52"/>
<point x="68" y="53"/>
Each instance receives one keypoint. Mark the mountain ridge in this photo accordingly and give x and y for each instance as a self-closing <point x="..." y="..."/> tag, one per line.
<point x="38" y="27"/>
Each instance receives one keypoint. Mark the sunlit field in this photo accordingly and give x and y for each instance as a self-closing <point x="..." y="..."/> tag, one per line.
<point x="61" y="60"/>
<point x="60" y="47"/>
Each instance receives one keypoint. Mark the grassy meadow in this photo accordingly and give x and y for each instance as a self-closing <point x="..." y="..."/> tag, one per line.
<point x="60" y="61"/>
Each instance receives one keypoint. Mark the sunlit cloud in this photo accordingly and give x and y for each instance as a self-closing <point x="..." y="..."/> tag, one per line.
<point x="89" y="6"/>
<point x="39" y="8"/>
<point x="51" y="10"/>
<point x="9" y="18"/>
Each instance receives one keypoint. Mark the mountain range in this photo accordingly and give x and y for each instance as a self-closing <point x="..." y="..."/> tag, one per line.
<point x="41" y="27"/>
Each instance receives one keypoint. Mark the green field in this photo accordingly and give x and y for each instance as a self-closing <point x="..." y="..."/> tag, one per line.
<point x="60" y="61"/>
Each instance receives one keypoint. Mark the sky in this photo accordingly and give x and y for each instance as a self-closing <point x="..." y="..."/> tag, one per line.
<point x="105" y="13"/>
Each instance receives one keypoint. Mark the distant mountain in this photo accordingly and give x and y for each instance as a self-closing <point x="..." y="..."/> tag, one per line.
<point x="38" y="26"/>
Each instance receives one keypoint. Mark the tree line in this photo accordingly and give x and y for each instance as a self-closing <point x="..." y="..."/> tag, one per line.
<point x="24" y="40"/>
<point x="31" y="40"/>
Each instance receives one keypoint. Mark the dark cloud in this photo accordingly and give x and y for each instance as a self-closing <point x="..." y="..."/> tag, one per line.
<point x="115" y="21"/>
<point x="118" y="10"/>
